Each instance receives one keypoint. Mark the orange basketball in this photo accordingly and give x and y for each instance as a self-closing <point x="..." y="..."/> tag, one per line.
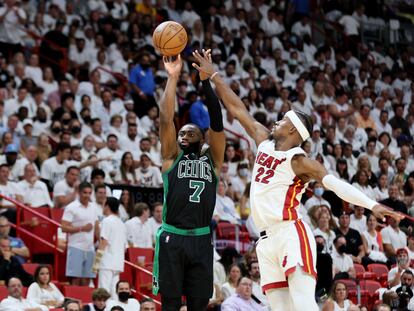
<point x="169" y="38"/>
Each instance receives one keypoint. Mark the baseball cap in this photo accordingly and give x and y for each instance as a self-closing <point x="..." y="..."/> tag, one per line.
<point x="27" y="122"/>
<point x="11" y="148"/>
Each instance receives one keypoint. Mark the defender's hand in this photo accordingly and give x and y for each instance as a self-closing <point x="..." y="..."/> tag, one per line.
<point x="380" y="211"/>
<point x="205" y="65"/>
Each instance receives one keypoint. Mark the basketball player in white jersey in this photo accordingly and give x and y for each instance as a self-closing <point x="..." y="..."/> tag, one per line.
<point x="286" y="249"/>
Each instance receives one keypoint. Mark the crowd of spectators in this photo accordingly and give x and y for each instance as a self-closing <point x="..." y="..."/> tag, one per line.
<point x="79" y="88"/>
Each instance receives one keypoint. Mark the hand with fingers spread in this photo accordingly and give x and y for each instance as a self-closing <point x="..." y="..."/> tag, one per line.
<point x="205" y="65"/>
<point x="173" y="66"/>
<point x="380" y="211"/>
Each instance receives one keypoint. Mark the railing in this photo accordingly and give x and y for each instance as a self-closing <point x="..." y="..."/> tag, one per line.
<point x="65" y="62"/>
<point x="56" y="250"/>
<point x="239" y="136"/>
<point x="147" y="272"/>
<point x="54" y="247"/>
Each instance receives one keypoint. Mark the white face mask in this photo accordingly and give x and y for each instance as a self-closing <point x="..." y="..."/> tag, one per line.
<point x="243" y="172"/>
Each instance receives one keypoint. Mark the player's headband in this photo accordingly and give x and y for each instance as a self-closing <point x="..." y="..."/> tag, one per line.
<point x="293" y="117"/>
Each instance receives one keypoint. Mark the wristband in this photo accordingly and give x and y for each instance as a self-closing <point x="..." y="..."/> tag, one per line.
<point x="213" y="75"/>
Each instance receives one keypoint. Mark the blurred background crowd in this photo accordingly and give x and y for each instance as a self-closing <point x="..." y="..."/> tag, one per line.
<point x="80" y="84"/>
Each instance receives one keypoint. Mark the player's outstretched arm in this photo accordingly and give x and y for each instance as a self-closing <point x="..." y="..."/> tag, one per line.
<point x="216" y="134"/>
<point x="232" y="102"/>
<point x="169" y="148"/>
<point x="307" y="169"/>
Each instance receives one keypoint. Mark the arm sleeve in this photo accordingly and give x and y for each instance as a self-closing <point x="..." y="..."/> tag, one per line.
<point x="213" y="105"/>
<point x="347" y="192"/>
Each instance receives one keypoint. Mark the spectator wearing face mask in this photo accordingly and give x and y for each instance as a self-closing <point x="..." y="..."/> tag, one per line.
<point x="403" y="263"/>
<point x="240" y="180"/>
<point x="343" y="267"/>
<point x="123" y="290"/>
<point x="317" y="198"/>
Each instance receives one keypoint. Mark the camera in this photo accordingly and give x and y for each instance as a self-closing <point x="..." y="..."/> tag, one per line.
<point x="404" y="294"/>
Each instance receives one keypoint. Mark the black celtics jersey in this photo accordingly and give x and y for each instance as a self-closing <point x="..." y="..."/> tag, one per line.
<point x="190" y="191"/>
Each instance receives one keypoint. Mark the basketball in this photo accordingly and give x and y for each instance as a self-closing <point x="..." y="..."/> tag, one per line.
<point x="169" y="38"/>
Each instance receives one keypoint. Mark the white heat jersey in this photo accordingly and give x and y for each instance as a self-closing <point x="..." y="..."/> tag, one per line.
<point x="275" y="191"/>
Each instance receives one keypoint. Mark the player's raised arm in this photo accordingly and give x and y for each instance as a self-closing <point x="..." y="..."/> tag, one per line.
<point x="216" y="134"/>
<point x="232" y="102"/>
<point x="307" y="169"/>
<point x="169" y="148"/>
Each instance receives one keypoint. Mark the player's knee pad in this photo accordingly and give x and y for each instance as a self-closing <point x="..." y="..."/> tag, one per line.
<point x="171" y="303"/>
<point x="196" y="304"/>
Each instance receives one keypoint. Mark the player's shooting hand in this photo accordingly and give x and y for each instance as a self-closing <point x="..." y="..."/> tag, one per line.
<point x="173" y="65"/>
<point x="380" y="211"/>
<point x="205" y="65"/>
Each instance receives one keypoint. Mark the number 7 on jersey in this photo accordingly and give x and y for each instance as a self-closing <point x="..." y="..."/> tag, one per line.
<point x="199" y="187"/>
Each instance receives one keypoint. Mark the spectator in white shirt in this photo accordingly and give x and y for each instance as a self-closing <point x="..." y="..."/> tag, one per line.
<point x="138" y="229"/>
<point x="10" y="157"/>
<point x="43" y="291"/>
<point x="112" y="150"/>
<point x="272" y="24"/>
<point x="302" y="27"/>
<point x="54" y="169"/>
<point x="393" y="238"/>
<point x="34" y="191"/>
<point x="225" y="209"/>
<point x="80" y="221"/>
<point x="65" y="191"/>
<point x="110" y="255"/>
<point x="156" y="220"/>
<point x="11" y="190"/>
<point x="147" y="174"/>
<point x="342" y="263"/>
<point x="131" y="142"/>
<point x="123" y="290"/>
<point x="100" y="200"/>
<point x="189" y="16"/>
<point x="358" y="220"/>
<point x="403" y="263"/>
<point x="15" y="300"/>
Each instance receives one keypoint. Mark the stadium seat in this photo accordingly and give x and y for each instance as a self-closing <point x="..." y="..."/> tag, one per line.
<point x="350" y="284"/>
<point x="30" y="267"/>
<point x="3" y="292"/>
<point x="362" y="274"/>
<point x="27" y="215"/>
<point x="127" y="275"/>
<point x="226" y="230"/>
<point x="381" y="272"/>
<point x="45" y="231"/>
<point x="82" y="293"/>
<point x="133" y="253"/>
<point x="371" y="288"/>
<point x="56" y="214"/>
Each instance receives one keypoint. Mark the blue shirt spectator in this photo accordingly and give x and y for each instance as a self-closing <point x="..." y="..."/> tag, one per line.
<point x="142" y="77"/>
<point x="199" y="115"/>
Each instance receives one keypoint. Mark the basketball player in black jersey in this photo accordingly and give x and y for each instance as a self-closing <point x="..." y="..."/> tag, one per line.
<point x="183" y="263"/>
